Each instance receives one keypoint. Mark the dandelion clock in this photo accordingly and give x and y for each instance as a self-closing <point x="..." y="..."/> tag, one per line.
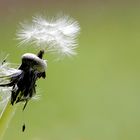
<point x="18" y="84"/>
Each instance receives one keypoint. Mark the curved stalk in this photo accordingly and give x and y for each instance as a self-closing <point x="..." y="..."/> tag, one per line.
<point x="5" y="118"/>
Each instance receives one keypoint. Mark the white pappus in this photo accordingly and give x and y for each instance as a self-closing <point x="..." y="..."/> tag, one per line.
<point x="56" y="35"/>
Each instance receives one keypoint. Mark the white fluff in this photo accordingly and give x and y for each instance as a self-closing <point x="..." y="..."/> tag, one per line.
<point x="6" y="70"/>
<point x="5" y="94"/>
<point x="57" y="35"/>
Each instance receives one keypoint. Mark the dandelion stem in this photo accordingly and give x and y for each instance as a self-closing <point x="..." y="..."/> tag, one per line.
<point x="5" y="118"/>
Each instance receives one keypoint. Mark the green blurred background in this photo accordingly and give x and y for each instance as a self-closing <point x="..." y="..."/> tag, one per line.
<point x="92" y="96"/>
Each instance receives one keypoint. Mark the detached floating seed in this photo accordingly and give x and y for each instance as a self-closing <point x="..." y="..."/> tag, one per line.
<point x="23" y="127"/>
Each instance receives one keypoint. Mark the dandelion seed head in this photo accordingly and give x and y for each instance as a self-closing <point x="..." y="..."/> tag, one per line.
<point x="6" y="70"/>
<point x="56" y="35"/>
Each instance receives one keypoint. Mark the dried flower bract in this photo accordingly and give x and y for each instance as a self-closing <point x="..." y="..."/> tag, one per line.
<point x="22" y="81"/>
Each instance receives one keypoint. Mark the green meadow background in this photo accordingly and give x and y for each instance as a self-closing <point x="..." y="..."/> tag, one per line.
<point x="92" y="96"/>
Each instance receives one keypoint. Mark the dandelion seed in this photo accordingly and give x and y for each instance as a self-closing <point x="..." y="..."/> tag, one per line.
<point x="23" y="127"/>
<point x="56" y="35"/>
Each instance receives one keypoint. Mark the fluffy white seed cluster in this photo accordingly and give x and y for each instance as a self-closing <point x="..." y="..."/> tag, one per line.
<point x="56" y="35"/>
<point x="6" y="69"/>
